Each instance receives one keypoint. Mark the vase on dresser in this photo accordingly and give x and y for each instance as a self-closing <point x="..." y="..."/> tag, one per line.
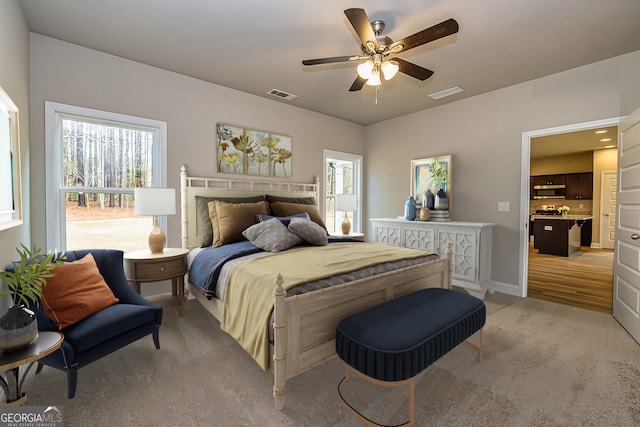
<point x="441" y="202"/>
<point x="410" y="209"/>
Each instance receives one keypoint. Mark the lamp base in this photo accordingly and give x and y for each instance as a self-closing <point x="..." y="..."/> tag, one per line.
<point x="157" y="238"/>
<point x="346" y="226"/>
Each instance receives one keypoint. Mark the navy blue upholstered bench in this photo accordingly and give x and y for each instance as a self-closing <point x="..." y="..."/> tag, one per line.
<point x="391" y="343"/>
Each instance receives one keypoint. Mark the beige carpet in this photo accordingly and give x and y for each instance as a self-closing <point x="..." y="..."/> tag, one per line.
<point x="545" y="365"/>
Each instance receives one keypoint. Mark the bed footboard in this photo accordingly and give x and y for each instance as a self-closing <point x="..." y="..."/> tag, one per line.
<point x="305" y="324"/>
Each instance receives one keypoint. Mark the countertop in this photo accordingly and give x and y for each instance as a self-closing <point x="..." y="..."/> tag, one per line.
<point x="560" y="217"/>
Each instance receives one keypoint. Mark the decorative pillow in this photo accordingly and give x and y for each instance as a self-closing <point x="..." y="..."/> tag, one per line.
<point x="288" y="209"/>
<point x="229" y="220"/>
<point x="76" y="291"/>
<point x="202" y="209"/>
<point x="283" y="219"/>
<point x="272" y="236"/>
<point x="309" y="231"/>
<point x="299" y="200"/>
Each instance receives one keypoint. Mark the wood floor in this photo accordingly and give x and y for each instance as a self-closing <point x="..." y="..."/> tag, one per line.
<point x="582" y="280"/>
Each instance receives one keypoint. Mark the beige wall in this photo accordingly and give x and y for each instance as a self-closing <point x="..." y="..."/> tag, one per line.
<point x="71" y="74"/>
<point x="14" y="79"/>
<point x="484" y="135"/>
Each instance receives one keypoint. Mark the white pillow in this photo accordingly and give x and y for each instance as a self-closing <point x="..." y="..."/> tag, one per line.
<point x="309" y="231"/>
<point x="271" y="235"/>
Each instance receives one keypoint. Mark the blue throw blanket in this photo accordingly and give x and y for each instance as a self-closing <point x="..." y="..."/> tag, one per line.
<point x="206" y="266"/>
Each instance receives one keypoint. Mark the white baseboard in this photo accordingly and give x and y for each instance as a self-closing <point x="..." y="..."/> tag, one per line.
<point x="506" y="288"/>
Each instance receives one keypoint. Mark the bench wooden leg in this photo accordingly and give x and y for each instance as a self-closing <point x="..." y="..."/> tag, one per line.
<point x="477" y="347"/>
<point x="412" y="395"/>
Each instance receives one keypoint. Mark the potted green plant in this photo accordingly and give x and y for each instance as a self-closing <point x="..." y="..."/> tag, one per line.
<point x="438" y="174"/>
<point x="25" y="279"/>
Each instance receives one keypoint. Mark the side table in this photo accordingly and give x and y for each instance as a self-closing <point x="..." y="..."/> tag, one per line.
<point x="143" y="266"/>
<point x="10" y="363"/>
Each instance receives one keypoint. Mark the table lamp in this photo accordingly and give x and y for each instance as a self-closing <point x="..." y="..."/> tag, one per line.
<point x="155" y="202"/>
<point x="346" y="203"/>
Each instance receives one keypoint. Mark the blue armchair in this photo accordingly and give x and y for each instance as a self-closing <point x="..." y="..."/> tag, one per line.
<point x="106" y="331"/>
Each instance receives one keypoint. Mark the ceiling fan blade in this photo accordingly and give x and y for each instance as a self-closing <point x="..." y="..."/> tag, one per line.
<point x="357" y="84"/>
<point x="438" y="31"/>
<point x="330" y="60"/>
<point x="360" y="22"/>
<point x="412" y="69"/>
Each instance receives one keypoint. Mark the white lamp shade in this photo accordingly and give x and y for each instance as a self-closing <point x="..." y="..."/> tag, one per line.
<point x="346" y="202"/>
<point x="389" y="69"/>
<point x="365" y="69"/>
<point x="155" y="201"/>
<point x="374" y="80"/>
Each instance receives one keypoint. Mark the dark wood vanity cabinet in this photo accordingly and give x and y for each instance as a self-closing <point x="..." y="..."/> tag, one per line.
<point x="579" y="186"/>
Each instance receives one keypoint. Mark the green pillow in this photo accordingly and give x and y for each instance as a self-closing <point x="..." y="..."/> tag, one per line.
<point x="202" y="208"/>
<point x="300" y="200"/>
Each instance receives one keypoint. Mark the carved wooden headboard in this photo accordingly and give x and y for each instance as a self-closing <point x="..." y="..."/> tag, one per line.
<point x="190" y="187"/>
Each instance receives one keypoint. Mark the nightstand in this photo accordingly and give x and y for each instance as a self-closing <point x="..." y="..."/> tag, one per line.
<point x="353" y="235"/>
<point x="143" y="266"/>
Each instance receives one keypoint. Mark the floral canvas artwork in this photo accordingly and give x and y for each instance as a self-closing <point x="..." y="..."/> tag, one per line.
<point x="253" y="152"/>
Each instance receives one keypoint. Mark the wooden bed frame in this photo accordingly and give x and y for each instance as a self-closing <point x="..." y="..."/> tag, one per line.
<point x="305" y="324"/>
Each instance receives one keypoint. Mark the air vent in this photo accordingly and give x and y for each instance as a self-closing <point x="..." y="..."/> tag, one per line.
<point x="281" y="94"/>
<point x="446" y="92"/>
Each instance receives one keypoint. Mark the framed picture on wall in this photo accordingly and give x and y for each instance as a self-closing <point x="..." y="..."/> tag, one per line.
<point x="431" y="173"/>
<point x="247" y="151"/>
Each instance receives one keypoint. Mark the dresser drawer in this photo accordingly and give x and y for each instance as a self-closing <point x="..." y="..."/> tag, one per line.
<point x="151" y="270"/>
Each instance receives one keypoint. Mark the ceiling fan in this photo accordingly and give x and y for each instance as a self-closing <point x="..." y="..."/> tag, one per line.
<point x="376" y="48"/>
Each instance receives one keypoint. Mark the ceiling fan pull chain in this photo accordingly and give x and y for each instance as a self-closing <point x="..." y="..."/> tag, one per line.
<point x="377" y="94"/>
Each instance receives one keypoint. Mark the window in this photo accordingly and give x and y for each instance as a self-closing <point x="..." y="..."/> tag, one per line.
<point x="342" y="176"/>
<point x="95" y="159"/>
<point x="10" y="191"/>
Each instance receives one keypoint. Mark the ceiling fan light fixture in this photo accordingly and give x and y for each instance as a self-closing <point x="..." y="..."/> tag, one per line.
<point x="365" y="69"/>
<point x="374" y="80"/>
<point x="390" y="69"/>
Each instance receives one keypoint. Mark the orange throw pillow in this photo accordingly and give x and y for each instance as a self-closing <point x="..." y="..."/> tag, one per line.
<point x="76" y="291"/>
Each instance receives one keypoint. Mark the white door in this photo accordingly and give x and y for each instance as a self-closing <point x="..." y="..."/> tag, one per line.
<point x="608" y="209"/>
<point x="626" y="280"/>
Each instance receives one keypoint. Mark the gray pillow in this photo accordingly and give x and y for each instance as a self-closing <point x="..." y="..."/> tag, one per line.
<point x="283" y="219"/>
<point x="309" y="231"/>
<point x="202" y="209"/>
<point x="271" y="235"/>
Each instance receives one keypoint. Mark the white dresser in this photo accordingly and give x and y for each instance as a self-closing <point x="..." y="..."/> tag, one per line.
<point x="470" y="241"/>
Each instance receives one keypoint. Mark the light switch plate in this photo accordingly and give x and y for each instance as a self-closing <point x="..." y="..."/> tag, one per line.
<point x="503" y="207"/>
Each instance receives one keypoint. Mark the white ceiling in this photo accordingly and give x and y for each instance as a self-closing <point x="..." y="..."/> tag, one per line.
<point x="257" y="45"/>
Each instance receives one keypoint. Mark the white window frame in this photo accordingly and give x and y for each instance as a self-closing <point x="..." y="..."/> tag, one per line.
<point x="356" y="159"/>
<point x="12" y="175"/>
<point x="56" y="223"/>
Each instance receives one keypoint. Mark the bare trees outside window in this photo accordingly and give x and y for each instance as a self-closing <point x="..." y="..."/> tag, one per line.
<point x="95" y="160"/>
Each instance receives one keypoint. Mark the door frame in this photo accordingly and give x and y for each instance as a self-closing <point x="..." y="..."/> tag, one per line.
<point x="602" y="190"/>
<point x="524" y="185"/>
